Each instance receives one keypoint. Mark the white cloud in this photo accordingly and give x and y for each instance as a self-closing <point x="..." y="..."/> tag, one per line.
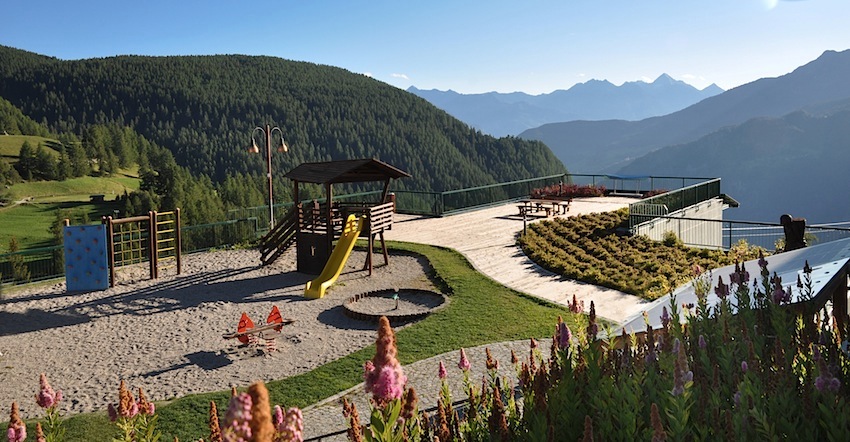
<point x="402" y="76"/>
<point x="368" y="74"/>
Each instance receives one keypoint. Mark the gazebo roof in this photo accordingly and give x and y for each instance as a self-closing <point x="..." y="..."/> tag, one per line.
<point x="345" y="171"/>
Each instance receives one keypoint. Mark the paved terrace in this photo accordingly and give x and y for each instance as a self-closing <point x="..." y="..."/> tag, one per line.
<point x="487" y="238"/>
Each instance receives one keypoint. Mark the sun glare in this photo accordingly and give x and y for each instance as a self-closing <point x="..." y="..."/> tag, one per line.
<point x="769" y="4"/>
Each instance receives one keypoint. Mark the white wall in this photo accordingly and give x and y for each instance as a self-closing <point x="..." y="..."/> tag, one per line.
<point x="694" y="233"/>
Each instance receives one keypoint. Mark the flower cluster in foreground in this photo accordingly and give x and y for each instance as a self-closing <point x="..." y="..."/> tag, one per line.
<point x="752" y="367"/>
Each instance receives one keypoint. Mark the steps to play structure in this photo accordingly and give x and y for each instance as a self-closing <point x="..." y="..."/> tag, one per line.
<point x="316" y="288"/>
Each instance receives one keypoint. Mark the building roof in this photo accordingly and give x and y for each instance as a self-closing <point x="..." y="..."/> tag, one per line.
<point x="829" y="262"/>
<point x="345" y="171"/>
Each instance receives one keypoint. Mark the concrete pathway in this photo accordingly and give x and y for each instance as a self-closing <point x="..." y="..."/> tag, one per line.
<point x="487" y="238"/>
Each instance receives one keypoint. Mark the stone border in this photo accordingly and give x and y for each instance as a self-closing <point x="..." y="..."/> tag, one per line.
<point x="398" y="318"/>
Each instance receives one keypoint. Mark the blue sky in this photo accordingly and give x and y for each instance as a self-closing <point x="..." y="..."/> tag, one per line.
<point x="468" y="46"/>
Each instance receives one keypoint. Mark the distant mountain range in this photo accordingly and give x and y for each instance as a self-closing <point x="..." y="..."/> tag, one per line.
<point x="501" y="114"/>
<point x="608" y="146"/>
<point x="796" y="164"/>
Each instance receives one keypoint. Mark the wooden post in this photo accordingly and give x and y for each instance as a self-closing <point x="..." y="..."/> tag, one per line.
<point x="329" y="217"/>
<point x="110" y="249"/>
<point x="384" y="246"/>
<point x="369" y="256"/>
<point x="178" y="246"/>
<point x="152" y="244"/>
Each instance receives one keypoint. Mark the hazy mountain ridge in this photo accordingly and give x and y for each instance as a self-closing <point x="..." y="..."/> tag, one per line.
<point x="795" y="164"/>
<point x="606" y="146"/>
<point x="501" y="114"/>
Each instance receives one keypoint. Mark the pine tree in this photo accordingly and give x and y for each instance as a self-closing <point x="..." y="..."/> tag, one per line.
<point x="26" y="161"/>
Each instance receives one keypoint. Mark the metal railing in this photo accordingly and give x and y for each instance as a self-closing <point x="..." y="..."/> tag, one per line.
<point x="769" y="236"/>
<point x="38" y="264"/>
<point x="250" y="223"/>
<point x="671" y="201"/>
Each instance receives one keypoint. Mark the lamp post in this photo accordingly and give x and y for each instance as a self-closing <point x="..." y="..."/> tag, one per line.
<point x="267" y="132"/>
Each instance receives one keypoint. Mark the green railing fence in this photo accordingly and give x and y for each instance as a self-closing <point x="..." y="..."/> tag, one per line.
<point x="249" y="223"/>
<point x="661" y="205"/>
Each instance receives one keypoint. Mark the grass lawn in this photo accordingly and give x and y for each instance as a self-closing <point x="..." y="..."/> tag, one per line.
<point x="481" y="311"/>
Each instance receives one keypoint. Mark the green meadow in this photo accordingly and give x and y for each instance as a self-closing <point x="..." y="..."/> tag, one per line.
<point x="33" y="206"/>
<point x="10" y="145"/>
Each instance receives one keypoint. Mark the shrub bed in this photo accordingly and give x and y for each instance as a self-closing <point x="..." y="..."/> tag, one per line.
<point x="590" y="248"/>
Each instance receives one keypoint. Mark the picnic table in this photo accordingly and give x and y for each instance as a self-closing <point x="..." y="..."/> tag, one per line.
<point x="527" y="206"/>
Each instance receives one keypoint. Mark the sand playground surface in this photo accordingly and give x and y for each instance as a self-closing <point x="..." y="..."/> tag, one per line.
<point x="165" y="335"/>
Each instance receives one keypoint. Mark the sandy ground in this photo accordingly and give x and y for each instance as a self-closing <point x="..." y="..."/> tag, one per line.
<point x="165" y="335"/>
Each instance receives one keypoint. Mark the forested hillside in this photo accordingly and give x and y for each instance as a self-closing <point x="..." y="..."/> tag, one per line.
<point x="203" y="108"/>
<point x="796" y="164"/>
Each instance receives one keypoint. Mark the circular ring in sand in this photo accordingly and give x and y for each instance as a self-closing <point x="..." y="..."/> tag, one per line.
<point x="411" y="305"/>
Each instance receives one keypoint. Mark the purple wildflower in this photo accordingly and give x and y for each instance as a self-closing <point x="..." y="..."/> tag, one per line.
<point x="665" y="317"/>
<point x="441" y="371"/>
<point x="722" y="290"/>
<point x="702" y="343"/>
<point x="734" y="277"/>
<point x="676" y="346"/>
<point x="565" y="336"/>
<point x="744" y="366"/>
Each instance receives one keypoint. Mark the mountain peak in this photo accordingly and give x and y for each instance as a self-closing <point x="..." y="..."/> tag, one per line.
<point x="664" y="79"/>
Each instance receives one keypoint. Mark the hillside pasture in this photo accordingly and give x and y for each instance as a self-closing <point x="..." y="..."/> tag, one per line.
<point x="10" y="146"/>
<point x="34" y="205"/>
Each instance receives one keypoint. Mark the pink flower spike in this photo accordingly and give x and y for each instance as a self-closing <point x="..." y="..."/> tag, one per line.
<point x="18" y="434"/>
<point x="388" y="384"/>
<point x="46" y="397"/>
<point x="463" y="364"/>
<point x="277" y="417"/>
<point x="441" y="371"/>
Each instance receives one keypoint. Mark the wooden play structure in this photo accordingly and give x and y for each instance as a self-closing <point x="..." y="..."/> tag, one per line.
<point x="314" y="226"/>
<point x="154" y="237"/>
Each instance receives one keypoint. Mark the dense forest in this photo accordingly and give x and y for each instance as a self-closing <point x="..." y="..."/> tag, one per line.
<point x="110" y="148"/>
<point x="202" y="109"/>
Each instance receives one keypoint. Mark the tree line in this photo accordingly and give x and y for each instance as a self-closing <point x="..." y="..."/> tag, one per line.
<point x="205" y="108"/>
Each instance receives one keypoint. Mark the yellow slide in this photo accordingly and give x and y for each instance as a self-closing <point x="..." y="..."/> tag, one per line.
<point x="316" y="288"/>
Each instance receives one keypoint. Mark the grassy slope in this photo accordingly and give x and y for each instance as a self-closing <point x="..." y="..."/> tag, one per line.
<point x="10" y="145"/>
<point x="481" y="311"/>
<point x="29" y="223"/>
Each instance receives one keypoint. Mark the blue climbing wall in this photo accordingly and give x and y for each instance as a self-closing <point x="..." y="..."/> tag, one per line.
<point x="86" y="267"/>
